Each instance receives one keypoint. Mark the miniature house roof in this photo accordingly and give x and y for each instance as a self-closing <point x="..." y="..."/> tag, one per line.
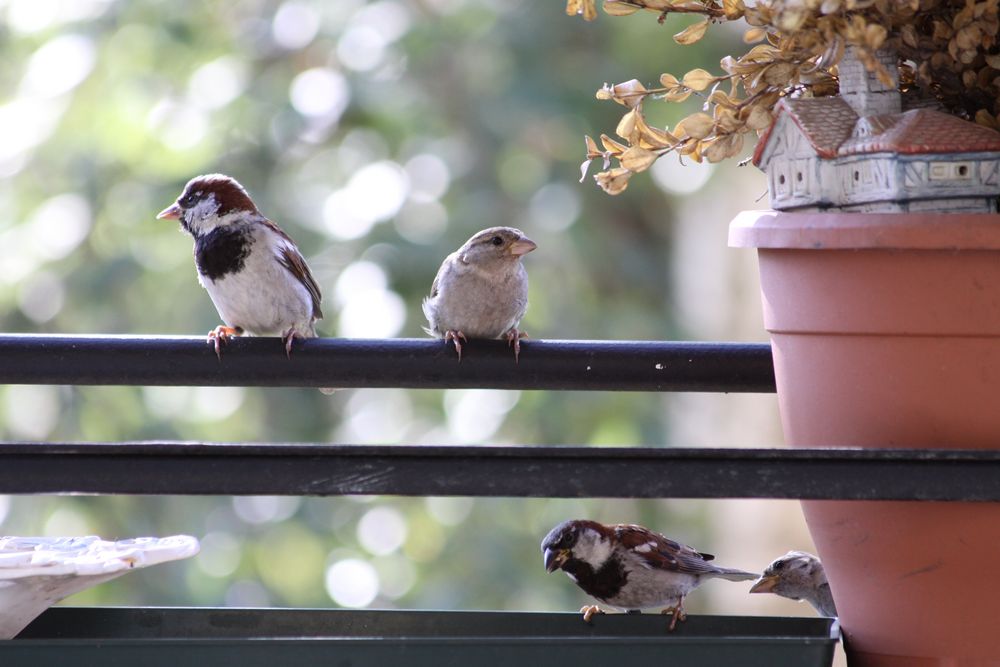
<point x="833" y="129"/>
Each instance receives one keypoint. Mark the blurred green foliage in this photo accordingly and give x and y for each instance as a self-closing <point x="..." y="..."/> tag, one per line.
<point x="380" y="135"/>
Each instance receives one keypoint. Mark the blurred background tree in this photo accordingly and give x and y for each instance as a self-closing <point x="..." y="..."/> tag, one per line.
<point x="380" y="135"/>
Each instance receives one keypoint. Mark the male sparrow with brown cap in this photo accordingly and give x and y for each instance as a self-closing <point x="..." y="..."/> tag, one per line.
<point x="630" y="567"/>
<point x="253" y="271"/>
<point x="798" y="576"/>
<point x="481" y="290"/>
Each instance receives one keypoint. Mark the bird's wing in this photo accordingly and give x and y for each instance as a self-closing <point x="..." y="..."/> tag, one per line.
<point x="292" y="259"/>
<point x="661" y="553"/>
<point x="453" y="263"/>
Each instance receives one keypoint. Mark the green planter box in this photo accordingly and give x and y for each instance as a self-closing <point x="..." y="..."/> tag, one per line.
<point x="177" y="637"/>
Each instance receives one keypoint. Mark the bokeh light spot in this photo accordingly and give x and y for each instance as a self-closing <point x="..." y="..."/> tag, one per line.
<point x="41" y="296"/>
<point x="555" y="207"/>
<point x="429" y="177"/>
<point x="449" y="511"/>
<point x="320" y="93"/>
<point x="382" y="530"/>
<point x="220" y="554"/>
<point x="265" y="509"/>
<point x="217" y="83"/>
<point x="295" y="25"/>
<point x="352" y="583"/>
<point x="59" y="66"/>
<point x="474" y="415"/>
<point x="59" y="225"/>
<point x="376" y="416"/>
<point x="373" y="194"/>
<point x="361" y="48"/>
<point x="676" y="178"/>
<point x="31" y="411"/>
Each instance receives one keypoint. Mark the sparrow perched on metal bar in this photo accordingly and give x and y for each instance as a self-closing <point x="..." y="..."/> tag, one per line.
<point x="630" y="567"/>
<point x="253" y="271"/>
<point x="481" y="290"/>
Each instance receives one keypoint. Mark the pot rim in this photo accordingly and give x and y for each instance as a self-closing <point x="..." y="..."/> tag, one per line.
<point x="836" y="230"/>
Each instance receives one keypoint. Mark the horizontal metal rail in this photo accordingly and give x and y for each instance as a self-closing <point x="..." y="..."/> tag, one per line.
<point x="398" y="362"/>
<point x="567" y="472"/>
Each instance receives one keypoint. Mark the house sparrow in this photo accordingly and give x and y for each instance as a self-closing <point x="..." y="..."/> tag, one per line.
<point x="630" y="567"/>
<point x="481" y="290"/>
<point x="798" y="576"/>
<point x="256" y="276"/>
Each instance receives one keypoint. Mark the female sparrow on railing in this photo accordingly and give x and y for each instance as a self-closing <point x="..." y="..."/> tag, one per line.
<point x="798" y="576"/>
<point x="630" y="567"/>
<point x="256" y="276"/>
<point x="481" y="290"/>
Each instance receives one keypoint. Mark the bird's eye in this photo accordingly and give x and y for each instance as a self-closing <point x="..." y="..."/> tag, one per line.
<point x="189" y="200"/>
<point x="497" y="241"/>
<point x="780" y="565"/>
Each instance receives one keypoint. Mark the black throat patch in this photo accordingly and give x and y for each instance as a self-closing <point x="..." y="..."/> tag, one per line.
<point x="222" y="251"/>
<point x="605" y="583"/>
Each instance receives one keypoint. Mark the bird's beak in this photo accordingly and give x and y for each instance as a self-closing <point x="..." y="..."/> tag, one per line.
<point x="172" y="212"/>
<point x="555" y="559"/>
<point x="765" y="584"/>
<point x="522" y="246"/>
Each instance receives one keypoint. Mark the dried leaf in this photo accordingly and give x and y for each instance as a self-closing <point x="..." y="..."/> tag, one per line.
<point x="612" y="146"/>
<point x="735" y="145"/>
<point x="620" y="8"/>
<point x="626" y="126"/>
<point x="697" y="126"/>
<point x="986" y="119"/>
<point x="629" y="93"/>
<point x="638" y="159"/>
<point x="726" y="120"/>
<point x="715" y="151"/>
<point x="968" y="37"/>
<point x="678" y="94"/>
<point x="613" y="181"/>
<point x="584" y="167"/>
<point x="779" y="74"/>
<point x="993" y="60"/>
<point x="719" y="97"/>
<point x="759" y="117"/>
<point x="754" y="35"/>
<point x="669" y="81"/>
<point x="698" y="79"/>
<point x="651" y="137"/>
<point x="692" y="33"/>
<point x="586" y="7"/>
<point x="875" y="35"/>
<point x="791" y="19"/>
<point x="592" y="149"/>
<point x="733" y="9"/>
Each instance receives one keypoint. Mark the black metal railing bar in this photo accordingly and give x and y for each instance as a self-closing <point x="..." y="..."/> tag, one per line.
<point x="615" y="472"/>
<point x="398" y="362"/>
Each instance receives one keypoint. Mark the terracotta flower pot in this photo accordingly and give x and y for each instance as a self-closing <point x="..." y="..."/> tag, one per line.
<point x="886" y="333"/>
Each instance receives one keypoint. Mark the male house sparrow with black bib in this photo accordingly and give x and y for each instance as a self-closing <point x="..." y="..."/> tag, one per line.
<point x="798" y="576"/>
<point x="630" y="567"/>
<point x="253" y="271"/>
<point x="481" y="290"/>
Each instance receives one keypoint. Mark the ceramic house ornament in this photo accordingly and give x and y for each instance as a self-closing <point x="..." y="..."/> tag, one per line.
<point x="861" y="152"/>
<point x="37" y="572"/>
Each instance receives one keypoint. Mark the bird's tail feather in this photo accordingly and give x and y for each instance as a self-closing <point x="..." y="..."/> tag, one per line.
<point x="735" y="575"/>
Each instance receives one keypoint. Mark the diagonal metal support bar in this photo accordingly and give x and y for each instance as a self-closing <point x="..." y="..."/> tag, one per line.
<point x="397" y="362"/>
<point x="572" y="472"/>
